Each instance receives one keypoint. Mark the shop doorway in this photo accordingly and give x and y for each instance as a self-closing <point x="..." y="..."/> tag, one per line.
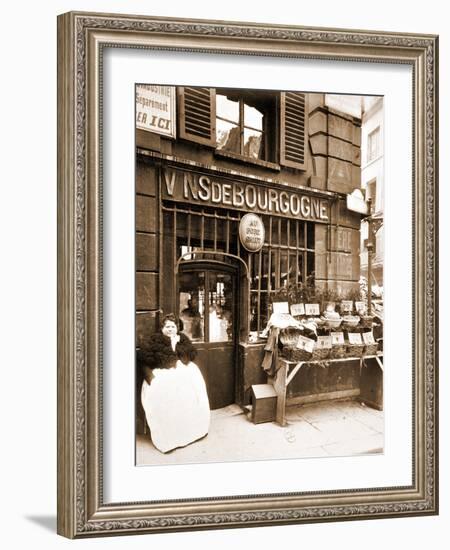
<point x="207" y="305"/>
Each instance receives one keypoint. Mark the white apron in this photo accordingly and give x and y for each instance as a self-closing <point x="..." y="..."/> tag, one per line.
<point x="176" y="406"/>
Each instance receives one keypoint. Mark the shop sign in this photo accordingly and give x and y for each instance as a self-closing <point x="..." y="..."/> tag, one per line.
<point x="356" y="202"/>
<point x="155" y="109"/>
<point x="251" y="232"/>
<point x="205" y="190"/>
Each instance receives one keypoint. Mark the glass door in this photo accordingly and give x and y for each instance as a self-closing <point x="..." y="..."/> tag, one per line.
<point x="208" y="313"/>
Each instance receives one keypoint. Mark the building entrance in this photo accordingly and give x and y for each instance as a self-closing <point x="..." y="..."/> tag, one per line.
<point x="208" y="302"/>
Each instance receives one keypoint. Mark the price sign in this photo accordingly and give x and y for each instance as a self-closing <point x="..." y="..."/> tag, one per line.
<point x="368" y="338"/>
<point x="337" y="338"/>
<point x="306" y="344"/>
<point x="312" y="309"/>
<point x="354" y="338"/>
<point x="347" y="306"/>
<point x="297" y="309"/>
<point x="323" y="342"/>
<point x="280" y="307"/>
<point x="361" y="307"/>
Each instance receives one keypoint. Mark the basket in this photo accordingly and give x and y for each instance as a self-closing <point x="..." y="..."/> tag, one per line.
<point x="349" y="322"/>
<point x="338" y="351"/>
<point x="371" y="349"/>
<point x="355" y="350"/>
<point x="332" y="324"/>
<point x="295" y="354"/>
<point x="319" y="354"/>
<point x="320" y="322"/>
<point x="366" y="321"/>
<point x="289" y="336"/>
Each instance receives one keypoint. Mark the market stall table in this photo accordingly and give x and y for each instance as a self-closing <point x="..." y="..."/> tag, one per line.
<point x="287" y="370"/>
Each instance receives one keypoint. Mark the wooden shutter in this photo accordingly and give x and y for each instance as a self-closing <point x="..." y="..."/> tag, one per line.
<point x="293" y="130"/>
<point x="197" y="115"/>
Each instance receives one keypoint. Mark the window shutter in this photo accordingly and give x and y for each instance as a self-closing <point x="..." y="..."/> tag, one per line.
<point x="294" y="130"/>
<point x="197" y="115"/>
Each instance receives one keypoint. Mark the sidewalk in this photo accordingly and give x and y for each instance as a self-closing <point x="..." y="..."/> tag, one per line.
<point x="334" y="428"/>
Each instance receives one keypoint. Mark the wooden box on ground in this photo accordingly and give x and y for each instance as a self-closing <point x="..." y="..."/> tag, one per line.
<point x="264" y="403"/>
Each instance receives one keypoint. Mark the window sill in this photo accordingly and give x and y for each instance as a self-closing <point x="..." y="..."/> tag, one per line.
<point x="247" y="160"/>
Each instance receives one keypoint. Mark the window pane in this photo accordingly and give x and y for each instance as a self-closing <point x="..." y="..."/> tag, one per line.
<point x="227" y="109"/>
<point x="275" y="231"/>
<point x="310" y="239"/>
<point x="283" y="232"/>
<point x="284" y="269"/>
<point x="264" y="269"/>
<point x="274" y="269"/>
<point x="311" y="268"/>
<point x="254" y="274"/>
<point x="192" y="304"/>
<point x="252" y="144"/>
<point x="220" y="306"/>
<point x="254" y="311"/>
<point x="253" y="118"/>
<point x="373" y="144"/>
<point x="292" y="269"/>
<point x="227" y="136"/>
<point x="264" y="310"/>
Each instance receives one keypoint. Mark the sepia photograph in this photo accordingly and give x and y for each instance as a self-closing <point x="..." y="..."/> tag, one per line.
<point x="247" y="282"/>
<point x="259" y="275"/>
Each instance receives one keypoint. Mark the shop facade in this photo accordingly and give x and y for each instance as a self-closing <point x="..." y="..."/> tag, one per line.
<point x="244" y="202"/>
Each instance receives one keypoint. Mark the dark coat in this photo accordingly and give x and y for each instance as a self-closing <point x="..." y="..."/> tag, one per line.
<point x="158" y="354"/>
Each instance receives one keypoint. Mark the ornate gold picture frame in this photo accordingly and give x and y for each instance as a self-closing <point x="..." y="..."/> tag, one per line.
<point x="83" y="511"/>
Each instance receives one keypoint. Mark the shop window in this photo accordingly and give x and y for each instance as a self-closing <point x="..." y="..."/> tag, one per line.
<point x="286" y="260"/>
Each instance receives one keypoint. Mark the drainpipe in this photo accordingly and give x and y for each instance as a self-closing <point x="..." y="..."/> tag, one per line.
<point x="369" y="257"/>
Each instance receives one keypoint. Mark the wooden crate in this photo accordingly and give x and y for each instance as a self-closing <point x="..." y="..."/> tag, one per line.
<point x="264" y="403"/>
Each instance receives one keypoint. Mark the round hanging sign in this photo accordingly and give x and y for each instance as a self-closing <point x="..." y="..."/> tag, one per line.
<point x="251" y="232"/>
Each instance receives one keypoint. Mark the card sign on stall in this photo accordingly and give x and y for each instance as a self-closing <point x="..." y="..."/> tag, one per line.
<point x="280" y="307"/>
<point x="337" y="338"/>
<point x="346" y="306"/>
<point x="368" y="338"/>
<point x="312" y="309"/>
<point x="323" y="342"/>
<point x="354" y="338"/>
<point x="361" y="307"/>
<point x="297" y="310"/>
<point x="306" y="344"/>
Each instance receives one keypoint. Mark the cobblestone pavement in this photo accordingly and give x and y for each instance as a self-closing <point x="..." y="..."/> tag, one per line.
<point x="336" y="428"/>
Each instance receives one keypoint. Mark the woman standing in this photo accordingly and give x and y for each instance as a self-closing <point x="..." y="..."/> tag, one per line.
<point x="173" y="392"/>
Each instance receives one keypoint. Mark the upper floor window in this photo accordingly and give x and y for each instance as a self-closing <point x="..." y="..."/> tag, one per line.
<point x="240" y="126"/>
<point x="373" y="144"/>
<point x="247" y="125"/>
<point x="371" y="193"/>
